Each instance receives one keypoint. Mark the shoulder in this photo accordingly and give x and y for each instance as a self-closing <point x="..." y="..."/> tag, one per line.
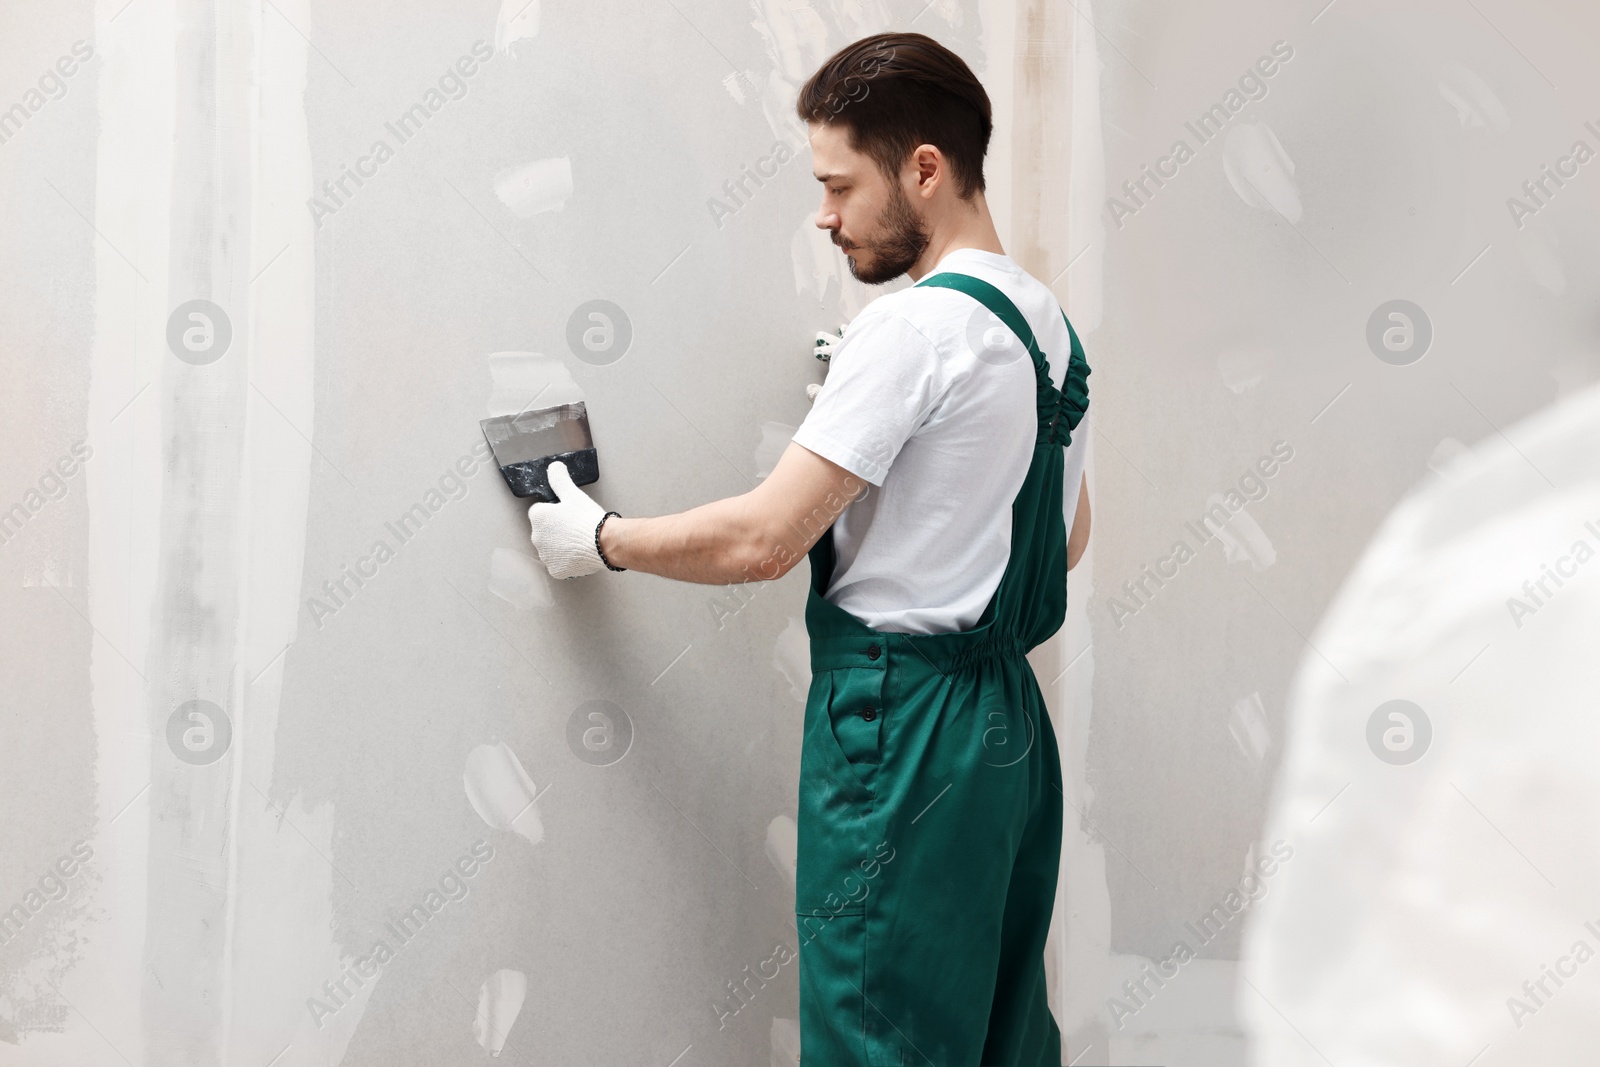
<point x="933" y="314"/>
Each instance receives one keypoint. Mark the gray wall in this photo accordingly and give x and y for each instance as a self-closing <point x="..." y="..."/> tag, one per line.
<point x="377" y="736"/>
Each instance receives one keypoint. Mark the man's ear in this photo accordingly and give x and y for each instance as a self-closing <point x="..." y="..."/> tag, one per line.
<point x="930" y="167"/>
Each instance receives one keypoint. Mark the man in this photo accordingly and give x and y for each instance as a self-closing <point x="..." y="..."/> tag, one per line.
<point x="930" y="803"/>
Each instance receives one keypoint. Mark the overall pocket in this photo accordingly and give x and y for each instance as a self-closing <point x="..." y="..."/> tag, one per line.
<point x="836" y="820"/>
<point x="855" y="716"/>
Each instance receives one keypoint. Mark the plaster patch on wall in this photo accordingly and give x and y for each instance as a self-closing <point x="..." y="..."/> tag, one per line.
<point x="782" y="846"/>
<point x="817" y="261"/>
<point x="1243" y="540"/>
<point x="792" y="656"/>
<point x="1442" y="461"/>
<point x="785" y="1042"/>
<point x="775" y="438"/>
<point x="528" y="380"/>
<point x="794" y="34"/>
<point x="1260" y="171"/>
<point x="536" y="186"/>
<point x="1539" y="247"/>
<point x="51" y="572"/>
<point x="740" y="86"/>
<point x="499" y="1003"/>
<point x="501" y="792"/>
<point x="1248" y="725"/>
<point x="518" y="21"/>
<point x="1477" y="107"/>
<point x="1573" y="374"/>
<point x="519" y="580"/>
<point x="860" y="18"/>
<point x="1242" y="366"/>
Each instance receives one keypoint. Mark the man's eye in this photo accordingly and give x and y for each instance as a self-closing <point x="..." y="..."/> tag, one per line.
<point x="837" y="191"/>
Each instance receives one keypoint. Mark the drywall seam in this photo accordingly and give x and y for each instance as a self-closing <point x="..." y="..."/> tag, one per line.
<point x="1084" y="896"/>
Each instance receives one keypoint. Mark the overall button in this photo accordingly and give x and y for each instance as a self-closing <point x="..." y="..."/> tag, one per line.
<point x="873" y="651"/>
<point x="868" y="714"/>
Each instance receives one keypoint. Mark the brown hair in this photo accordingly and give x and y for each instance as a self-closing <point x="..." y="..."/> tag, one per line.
<point x="895" y="91"/>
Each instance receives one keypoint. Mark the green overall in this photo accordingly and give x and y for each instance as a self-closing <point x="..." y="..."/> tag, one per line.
<point x="930" y="798"/>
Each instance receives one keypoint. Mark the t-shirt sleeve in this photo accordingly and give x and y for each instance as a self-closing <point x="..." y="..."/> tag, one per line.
<point x="883" y="381"/>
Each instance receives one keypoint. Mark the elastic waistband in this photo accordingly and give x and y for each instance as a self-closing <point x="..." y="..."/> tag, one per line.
<point x="945" y="653"/>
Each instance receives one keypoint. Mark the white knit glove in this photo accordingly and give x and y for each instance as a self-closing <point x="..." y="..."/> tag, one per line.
<point x="564" y="532"/>
<point x="823" y="349"/>
<point x="826" y="342"/>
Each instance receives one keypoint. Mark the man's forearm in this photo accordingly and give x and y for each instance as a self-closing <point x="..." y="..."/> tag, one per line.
<point x="714" y="544"/>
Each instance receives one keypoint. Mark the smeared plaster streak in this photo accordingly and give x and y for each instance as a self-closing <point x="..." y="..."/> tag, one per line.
<point x="131" y="213"/>
<point x="281" y="943"/>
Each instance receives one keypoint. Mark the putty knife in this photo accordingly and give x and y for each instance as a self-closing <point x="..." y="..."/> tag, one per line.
<point x="525" y="444"/>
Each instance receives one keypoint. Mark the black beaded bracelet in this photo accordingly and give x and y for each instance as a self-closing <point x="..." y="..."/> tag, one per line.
<point x="597" y="547"/>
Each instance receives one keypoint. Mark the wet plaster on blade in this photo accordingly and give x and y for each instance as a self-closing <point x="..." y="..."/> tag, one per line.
<point x="525" y="381"/>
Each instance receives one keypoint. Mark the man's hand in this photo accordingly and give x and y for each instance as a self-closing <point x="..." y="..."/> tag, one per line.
<point x="826" y="342"/>
<point x="823" y="348"/>
<point x="563" y="532"/>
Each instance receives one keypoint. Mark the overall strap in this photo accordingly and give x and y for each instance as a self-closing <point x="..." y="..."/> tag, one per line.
<point x="1072" y="400"/>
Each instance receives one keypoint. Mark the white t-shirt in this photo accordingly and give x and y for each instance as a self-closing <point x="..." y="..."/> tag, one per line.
<point x="931" y="399"/>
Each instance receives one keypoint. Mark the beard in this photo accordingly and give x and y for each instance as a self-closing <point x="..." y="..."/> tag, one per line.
<point x="901" y="242"/>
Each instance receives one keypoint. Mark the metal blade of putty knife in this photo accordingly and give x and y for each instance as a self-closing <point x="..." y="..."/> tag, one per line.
<point x="525" y="444"/>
